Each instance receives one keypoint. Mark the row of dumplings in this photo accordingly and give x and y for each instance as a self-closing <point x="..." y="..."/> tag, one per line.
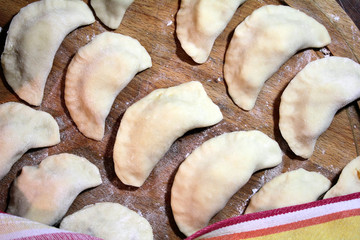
<point x="45" y="193"/>
<point x="221" y="166"/>
<point x="147" y="129"/>
<point x="260" y="45"/>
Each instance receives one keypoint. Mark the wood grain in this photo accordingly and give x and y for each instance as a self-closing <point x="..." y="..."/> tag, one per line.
<point x="153" y="24"/>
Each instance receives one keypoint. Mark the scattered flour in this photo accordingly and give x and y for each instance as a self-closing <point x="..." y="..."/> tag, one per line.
<point x="305" y="58"/>
<point x="335" y="17"/>
<point x="355" y="33"/>
<point x="90" y="37"/>
<point x="288" y="68"/>
<point x="326" y="52"/>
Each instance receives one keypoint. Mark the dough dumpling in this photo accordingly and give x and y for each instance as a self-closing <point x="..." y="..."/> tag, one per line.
<point x="111" y="12"/>
<point x="108" y="221"/>
<point x="312" y="98"/>
<point x="44" y="193"/>
<point x="150" y="126"/>
<point x="200" y="22"/>
<point x="34" y="36"/>
<point x="215" y="171"/>
<point x="263" y="42"/>
<point x="23" y="128"/>
<point x="349" y="180"/>
<point x="288" y="189"/>
<point x="97" y="74"/>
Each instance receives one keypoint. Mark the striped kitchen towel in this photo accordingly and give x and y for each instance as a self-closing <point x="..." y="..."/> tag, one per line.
<point x="328" y="219"/>
<point x="16" y="228"/>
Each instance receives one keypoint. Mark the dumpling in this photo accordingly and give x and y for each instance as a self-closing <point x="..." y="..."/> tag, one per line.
<point x="96" y="75"/>
<point x="263" y="42"/>
<point x="23" y="128"/>
<point x="108" y="221"/>
<point x="111" y="12"/>
<point x="312" y="98"/>
<point x="215" y="171"/>
<point x="44" y="193"/>
<point x="349" y="180"/>
<point x="150" y="126"/>
<point x="288" y="189"/>
<point x="34" y="36"/>
<point x="200" y="22"/>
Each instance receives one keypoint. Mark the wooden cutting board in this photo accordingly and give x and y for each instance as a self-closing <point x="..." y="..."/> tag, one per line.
<point x="153" y="24"/>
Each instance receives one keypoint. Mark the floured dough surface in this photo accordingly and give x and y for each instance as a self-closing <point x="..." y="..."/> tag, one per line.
<point x="349" y="180"/>
<point x="200" y="22"/>
<point x="214" y="172"/>
<point x="288" y="189"/>
<point x="97" y="74"/>
<point x="44" y="193"/>
<point x="151" y="125"/>
<point x="109" y="221"/>
<point x="23" y="128"/>
<point x="111" y="12"/>
<point x="34" y="36"/>
<point x="263" y="42"/>
<point x="312" y="98"/>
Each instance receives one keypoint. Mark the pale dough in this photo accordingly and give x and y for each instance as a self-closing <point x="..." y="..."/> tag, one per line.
<point x="44" y="193"/>
<point x="34" y="36"/>
<point x="349" y="180"/>
<point x="109" y="221"/>
<point x="97" y="74"/>
<point x="263" y="42"/>
<point x="288" y="189"/>
<point x="23" y="128"/>
<point x="150" y="126"/>
<point x="200" y="22"/>
<point x="111" y="12"/>
<point x="312" y="98"/>
<point x="215" y="171"/>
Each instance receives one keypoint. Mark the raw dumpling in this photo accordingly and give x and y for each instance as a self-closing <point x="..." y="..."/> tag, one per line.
<point x="34" y="36"/>
<point x="262" y="43"/>
<point x="108" y="221"/>
<point x="22" y="128"/>
<point x="96" y="75"/>
<point x="151" y="125"/>
<point x="349" y="180"/>
<point x="312" y="98"/>
<point x="200" y="22"/>
<point x="288" y="189"/>
<point x="44" y="193"/>
<point x="111" y="12"/>
<point x="215" y="171"/>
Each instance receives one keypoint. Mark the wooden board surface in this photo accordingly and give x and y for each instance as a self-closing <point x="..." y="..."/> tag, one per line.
<point x="153" y="24"/>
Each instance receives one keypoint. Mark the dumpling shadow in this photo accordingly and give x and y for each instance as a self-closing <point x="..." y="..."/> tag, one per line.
<point x="277" y="133"/>
<point x="183" y="56"/>
<point x="109" y="162"/>
<point x="62" y="92"/>
<point x="228" y="40"/>
<point x="168" y="209"/>
<point x="3" y="35"/>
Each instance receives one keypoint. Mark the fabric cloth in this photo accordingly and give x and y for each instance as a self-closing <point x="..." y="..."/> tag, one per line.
<point x="333" y="218"/>
<point x="16" y="228"/>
